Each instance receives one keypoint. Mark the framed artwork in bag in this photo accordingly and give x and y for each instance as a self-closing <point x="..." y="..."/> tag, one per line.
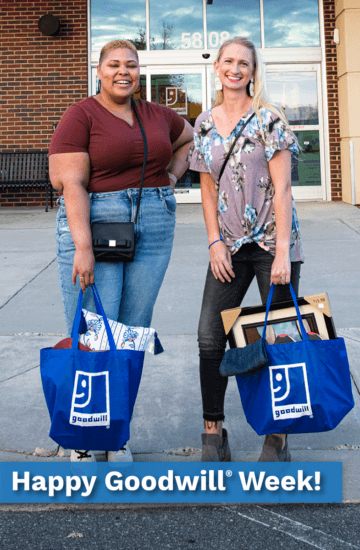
<point x="245" y="325"/>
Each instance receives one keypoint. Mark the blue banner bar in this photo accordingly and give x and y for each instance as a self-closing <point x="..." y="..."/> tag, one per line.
<point x="171" y="482"/>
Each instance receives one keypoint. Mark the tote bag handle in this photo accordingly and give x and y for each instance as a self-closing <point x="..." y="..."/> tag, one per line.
<point x="77" y="319"/>
<point x="304" y="335"/>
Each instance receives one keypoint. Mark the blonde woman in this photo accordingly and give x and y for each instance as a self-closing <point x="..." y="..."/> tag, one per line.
<point x="250" y="219"/>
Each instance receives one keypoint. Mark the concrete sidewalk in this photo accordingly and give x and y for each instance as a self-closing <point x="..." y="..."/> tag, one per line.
<point x="168" y="419"/>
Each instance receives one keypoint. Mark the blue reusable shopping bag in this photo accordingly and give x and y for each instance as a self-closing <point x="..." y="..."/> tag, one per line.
<point x="306" y="386"/>
<point x="90" y="395"/>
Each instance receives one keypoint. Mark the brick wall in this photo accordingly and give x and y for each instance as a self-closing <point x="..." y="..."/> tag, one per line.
<point x="40" y="77"/>
<point x="333" y="101"/>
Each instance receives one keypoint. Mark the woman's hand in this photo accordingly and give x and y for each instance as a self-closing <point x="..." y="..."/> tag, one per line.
<point x="84" y="264"/>
<point x="220" y="261"/>
<point x="281" y="269"/>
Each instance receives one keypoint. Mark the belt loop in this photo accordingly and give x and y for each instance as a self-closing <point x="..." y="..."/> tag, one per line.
<point x="160" y="193"/>
<point x="132" y="206"/>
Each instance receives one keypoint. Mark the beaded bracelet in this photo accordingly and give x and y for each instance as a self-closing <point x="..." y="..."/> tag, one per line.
<point x="217" y="240"/>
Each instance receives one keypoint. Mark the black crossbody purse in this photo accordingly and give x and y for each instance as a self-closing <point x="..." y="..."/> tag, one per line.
<point x="115" y="242"/>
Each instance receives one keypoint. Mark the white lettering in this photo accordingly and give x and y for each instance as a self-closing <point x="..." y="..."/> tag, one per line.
<point x="304" y="482"/>
<point x="117" y="484"/>
<point x="272" y="483"/>
<point x="88" y="486"/>
<point x="25" y="481"/>
<point x="38" y="484"/>
<point x="128" y="483"/>
<point x="147" y="487"/>
<point x="221" y="485"/>
<point x="251" y="480"/>
<point x="69" y="484"/>
<point x="288" y="483"/>
<point x="187" y="483"/>
<point x="168" y="480"/>
<point x="203" y="480"/>
<point x="56" y="483"/>
<point x="211" y="481"/>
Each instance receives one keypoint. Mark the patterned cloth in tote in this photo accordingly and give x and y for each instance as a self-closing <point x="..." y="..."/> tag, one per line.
<point x="246" y="191"/>
<point x="125" y="337"/>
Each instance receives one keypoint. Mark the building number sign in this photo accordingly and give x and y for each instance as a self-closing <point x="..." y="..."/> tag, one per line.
<point x="195" y="40"/>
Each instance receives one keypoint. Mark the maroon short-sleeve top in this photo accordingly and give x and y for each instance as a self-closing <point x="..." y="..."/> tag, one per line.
<point x="116" y="149"/>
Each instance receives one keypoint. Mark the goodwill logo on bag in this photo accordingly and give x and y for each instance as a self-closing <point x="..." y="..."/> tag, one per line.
<point x="290" y="397"/>
<point x="90" y="404"/>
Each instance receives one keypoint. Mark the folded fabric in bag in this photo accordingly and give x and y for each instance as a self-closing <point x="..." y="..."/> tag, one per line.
<point x="306" y="386"/>
<point x="90" y="396"/>
<point x="248" y="359"/>
<point x="125" y="337"/>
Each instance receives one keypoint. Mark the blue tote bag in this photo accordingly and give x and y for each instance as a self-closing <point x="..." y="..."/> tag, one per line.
<point x="90" y="395"/>
<point x="305" y="387"/>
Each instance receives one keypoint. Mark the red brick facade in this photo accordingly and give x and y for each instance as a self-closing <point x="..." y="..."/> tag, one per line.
<point x="40" y="77"/>
<point x="333" y="102"/>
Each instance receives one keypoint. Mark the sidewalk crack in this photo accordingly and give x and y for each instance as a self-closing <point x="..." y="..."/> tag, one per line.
<point x="349" y="226"/>
<point x="19" y="374"/>
<point x="26" y="284"/>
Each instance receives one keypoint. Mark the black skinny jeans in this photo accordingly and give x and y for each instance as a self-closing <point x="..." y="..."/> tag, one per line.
<point x="249" y="262"/>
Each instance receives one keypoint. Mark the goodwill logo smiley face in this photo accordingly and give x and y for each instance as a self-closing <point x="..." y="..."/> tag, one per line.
<point x="90" y="405"/>
<point x="290" y="395"/>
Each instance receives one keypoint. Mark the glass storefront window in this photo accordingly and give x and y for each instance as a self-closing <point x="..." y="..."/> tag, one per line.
<point x="183" y="94"/>
<point x="229" y="18"/>
<point x="116" y="20"/>
<point x="291" y="24"/>
<point x="170" y="20"/>
<point x="306" y="169"/>
<point x="296" y="93"/>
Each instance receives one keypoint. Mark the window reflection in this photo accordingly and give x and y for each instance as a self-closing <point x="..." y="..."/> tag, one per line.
<point x="291" y="24"/>
<point x="118" y="20"/>
<point x="176" y="25"/>
<point x="183" y="94"/>
<point x="229" y="18"/>
<point x="306" y="169"/>
<point x="296" y="93"/>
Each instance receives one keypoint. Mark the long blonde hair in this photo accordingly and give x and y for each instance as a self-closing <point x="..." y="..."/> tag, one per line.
<point x="260" y="97"/>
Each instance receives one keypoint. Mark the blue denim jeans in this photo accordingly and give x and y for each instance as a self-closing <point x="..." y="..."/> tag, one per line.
<point x="128" y="291"/>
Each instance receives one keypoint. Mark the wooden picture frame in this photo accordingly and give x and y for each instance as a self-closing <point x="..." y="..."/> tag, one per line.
<point x="245" y="325"/>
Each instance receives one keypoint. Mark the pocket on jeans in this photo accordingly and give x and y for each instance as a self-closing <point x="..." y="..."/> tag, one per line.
<point x="170" y="204"/>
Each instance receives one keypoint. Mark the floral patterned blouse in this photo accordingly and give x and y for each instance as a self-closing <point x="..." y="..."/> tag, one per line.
<point x="245" y="206"/>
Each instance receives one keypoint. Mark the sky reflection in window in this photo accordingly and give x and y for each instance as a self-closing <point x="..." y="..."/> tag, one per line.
<point x="290" y="23"/>
<point x="118" y="20"/>
<point x="176" y="25"/>
<point x="229" y="18"/>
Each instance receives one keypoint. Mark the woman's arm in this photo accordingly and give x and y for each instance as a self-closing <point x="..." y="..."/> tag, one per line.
<point x="70" y="172"/>
<point x="178" y="164"/>
<point x="280" y="172"/>
<point x="220" y="257"/>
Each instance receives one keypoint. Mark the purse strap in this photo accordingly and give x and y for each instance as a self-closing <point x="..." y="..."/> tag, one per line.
<point x="233" y="145"/>
<point x="100" y="311"/>
<point x="304" y="334"/>
<point x="145" y="156"/>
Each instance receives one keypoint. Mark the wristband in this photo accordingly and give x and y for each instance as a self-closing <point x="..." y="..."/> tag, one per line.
<point x="217" y="240"/>
<point x="172" y="177"/>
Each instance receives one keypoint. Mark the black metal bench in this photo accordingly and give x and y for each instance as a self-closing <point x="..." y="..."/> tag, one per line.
<point x="26" y="170"/>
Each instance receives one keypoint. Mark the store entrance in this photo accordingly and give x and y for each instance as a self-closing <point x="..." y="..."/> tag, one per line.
<point x="295" y="87"/>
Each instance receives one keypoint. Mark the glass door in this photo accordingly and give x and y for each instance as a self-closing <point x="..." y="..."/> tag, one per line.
<point x="296" y="88"/>
<point x="182" y="89"/>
